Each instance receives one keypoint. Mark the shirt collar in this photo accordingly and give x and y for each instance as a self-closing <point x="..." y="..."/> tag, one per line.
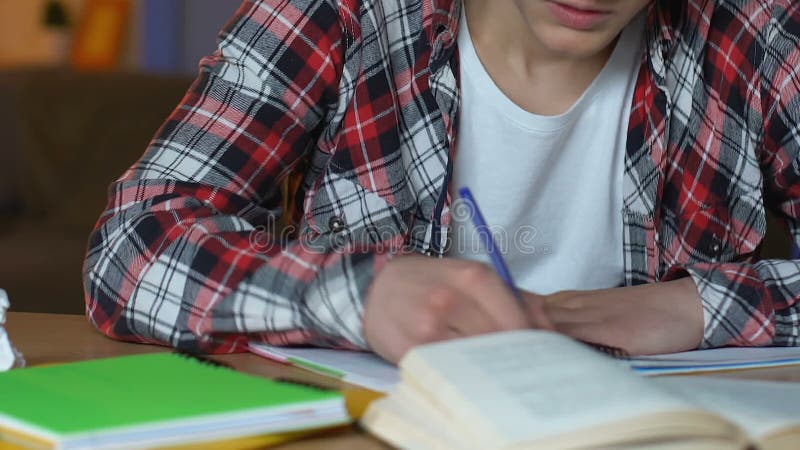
<point x="663" y="22"/>
<point x="664" y="19"/>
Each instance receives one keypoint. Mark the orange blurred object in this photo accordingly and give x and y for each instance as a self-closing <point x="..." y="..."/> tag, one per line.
<point x="100" y="38"/>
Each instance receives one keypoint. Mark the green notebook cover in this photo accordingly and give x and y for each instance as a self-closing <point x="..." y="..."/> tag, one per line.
<point x="135" y="390"/>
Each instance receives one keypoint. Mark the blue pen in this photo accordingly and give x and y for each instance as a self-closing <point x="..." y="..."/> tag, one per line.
<point x="502" y="270"/>
<point x="487" y="240"/>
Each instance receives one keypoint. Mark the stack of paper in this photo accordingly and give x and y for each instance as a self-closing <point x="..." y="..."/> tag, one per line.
<point x="359" y="368"/>
<point x="719" y="359"/>
<point x="372" y="372"/>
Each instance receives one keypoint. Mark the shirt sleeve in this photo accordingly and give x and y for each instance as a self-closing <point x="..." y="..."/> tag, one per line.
<point x="180" y="256"/>
<point x="757" y="304"/>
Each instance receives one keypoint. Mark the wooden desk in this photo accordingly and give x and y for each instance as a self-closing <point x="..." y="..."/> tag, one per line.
<point x="52" y="338"/>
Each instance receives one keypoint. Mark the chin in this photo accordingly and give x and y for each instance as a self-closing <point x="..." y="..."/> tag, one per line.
<point x="575" y="44"/>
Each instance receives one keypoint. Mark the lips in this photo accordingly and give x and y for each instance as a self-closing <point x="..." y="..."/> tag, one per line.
<point x="577" y="17"/>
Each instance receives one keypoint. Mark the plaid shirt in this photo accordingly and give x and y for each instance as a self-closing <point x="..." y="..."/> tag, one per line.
<point x="364" y="96"/>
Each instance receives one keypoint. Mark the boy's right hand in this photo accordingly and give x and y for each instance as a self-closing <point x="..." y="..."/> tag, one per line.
<point x="416" y="300"/>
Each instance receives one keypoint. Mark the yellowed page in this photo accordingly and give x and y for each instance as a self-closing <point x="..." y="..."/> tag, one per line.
<point x="406" y="420"/>
<point x="525" y="386"/>
<point x="760" y="408"/>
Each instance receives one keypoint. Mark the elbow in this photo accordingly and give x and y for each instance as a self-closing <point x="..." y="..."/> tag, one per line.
<point x="104" y="292"/>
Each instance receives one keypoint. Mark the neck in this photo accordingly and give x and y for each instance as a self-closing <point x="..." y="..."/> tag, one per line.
<point x="538" y="79"/>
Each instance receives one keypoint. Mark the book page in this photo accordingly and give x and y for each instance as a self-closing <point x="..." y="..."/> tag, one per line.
<point x="408" y="421"/>
<point x="758" y="407"/>
<point x="525" y="385"/>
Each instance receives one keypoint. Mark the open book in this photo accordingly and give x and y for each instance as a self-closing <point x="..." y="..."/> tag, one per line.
<point x="535" y="389"/>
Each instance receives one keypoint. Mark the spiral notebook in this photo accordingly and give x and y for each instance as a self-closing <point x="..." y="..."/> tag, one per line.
<point x="153" y="400"/>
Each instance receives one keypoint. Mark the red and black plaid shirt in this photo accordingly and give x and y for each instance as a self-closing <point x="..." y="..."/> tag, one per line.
<point x="365" y="94"/>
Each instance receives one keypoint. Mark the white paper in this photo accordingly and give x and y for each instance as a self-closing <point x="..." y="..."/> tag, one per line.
<point x="716" y="359"/>
<point x="370" y="371"/>
<point x="359" y="368"/>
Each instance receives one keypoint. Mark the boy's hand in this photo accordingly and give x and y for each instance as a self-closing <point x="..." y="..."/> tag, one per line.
<point x="643" y="320"/>
<point x="416" y="300"/>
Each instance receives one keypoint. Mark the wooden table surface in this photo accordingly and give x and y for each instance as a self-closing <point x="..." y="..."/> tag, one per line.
<point x="53" y="338"/>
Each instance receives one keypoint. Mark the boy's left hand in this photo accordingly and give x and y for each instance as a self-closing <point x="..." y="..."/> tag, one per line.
<point x="647" y="319"/>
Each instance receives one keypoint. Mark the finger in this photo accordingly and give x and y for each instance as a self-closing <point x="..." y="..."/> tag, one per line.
<point x="468" y="318"/>
<point x="427" y="319"/>
<point x="535" y="310"/>
<point x="537" y="314"/>
<point x="481" y="284"/>
<point x="452" y="334"/>
<point x="564" y="298"/>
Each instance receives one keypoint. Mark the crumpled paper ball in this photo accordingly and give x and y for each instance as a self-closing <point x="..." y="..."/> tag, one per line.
<point x="9" y="356"/>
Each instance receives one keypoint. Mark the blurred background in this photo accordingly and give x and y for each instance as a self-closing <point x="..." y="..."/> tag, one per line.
<point x="141" y="35"/>
<point x="84" y="85"/>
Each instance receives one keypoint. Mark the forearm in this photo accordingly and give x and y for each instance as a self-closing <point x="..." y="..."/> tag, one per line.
<point x="185" y="274"/>
<point x="646" y="319"/>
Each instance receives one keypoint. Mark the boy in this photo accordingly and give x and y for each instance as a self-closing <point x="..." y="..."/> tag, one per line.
<point x="640" y="141"/>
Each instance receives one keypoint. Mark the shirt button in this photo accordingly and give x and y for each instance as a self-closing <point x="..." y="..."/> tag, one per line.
<point x="336" y="224"/>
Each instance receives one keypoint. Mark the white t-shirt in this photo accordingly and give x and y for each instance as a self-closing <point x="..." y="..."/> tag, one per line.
<point x="550" y="187"/>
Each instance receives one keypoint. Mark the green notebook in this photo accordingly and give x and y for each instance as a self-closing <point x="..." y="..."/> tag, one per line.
<point x="153" y="400"/>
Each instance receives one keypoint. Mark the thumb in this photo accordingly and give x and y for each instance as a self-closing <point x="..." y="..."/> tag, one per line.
<point x="534" y="305"/>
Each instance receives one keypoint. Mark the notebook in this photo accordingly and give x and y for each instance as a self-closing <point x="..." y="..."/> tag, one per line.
<point x="536" y="389"/>
<point x="370" y="371"/>
<point x="153" y="400"/>
<point x="717" y="359"/>
<point x="359" y="368"/>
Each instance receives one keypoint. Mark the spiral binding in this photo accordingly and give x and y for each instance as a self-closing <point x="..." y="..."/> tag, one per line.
<point x="614" y="352"/>
<point x="215" y="363"/>
<point x="202" y="359"/>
